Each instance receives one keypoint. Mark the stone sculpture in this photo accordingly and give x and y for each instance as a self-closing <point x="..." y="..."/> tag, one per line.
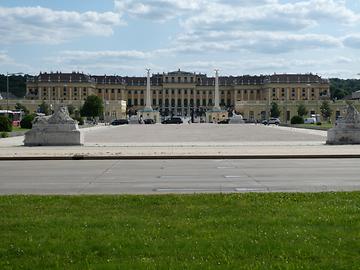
<point x="236" y="118"/>
<point x="347" y="130"/>
<point x="58" y="129"/>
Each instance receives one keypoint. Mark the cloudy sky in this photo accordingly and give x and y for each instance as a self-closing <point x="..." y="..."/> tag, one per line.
<point x="125" y="36"/>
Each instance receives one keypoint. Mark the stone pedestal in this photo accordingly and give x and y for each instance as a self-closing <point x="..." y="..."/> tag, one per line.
<point x="56" y="130"/>
<point x="236" y="119"/>
<point x="347" y="130"/>
<point x="215" y="116"/>
<point x="149" y="114"/>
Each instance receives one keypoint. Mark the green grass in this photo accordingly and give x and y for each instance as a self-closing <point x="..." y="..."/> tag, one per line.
<point x="19" y="129"/>
<point x="237" y="231"/>
<point x="323" y="126"/>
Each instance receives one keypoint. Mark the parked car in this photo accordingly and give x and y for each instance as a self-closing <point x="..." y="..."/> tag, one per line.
<point x="311" y="120"/>
<point x="274" y="121"/>
<point x="225" y="121"/>
<point x="271" y="121"/>
<point x="149" y="121"/>
<point x="173" y="120"/>
<point x="118" y="122"/>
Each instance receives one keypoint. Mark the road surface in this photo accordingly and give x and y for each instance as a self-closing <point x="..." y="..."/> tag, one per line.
<point x="178" y="176"/>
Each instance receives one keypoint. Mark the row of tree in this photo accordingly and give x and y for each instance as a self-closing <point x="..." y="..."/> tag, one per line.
<point x="325" y="110"/>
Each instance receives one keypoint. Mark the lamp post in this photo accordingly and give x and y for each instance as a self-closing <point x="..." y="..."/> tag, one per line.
<point x="7" y="89"/>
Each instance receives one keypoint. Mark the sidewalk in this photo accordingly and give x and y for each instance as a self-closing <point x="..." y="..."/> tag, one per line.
<point x="139" y="148"/>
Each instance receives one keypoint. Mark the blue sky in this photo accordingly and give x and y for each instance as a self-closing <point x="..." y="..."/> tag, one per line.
<point x="125" y="36"/>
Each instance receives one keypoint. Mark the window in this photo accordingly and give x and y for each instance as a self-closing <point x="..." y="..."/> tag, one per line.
<point x="166" y="92"/>
<point x="172" y="79"/>
<point x="204" y="102"/>
<point x="198" y="102"/>
<point x="185" y="92"/>
<point x="191" y="92"/>
<point x="185" y="79"/>
<point x="129" y="102"/>
<point x="160" y="102"/>
<point x="172" y="102"/>
<point x="172" y="92"/>
<point x="142" y="102"/>
<point x="106" y="91"/>
<point x="112" y="91"/>
<point x="119" y="91"/>
<point x="154" y="101"/>
<point x="179" y="102"/>
<point x="135" y="102"/>
<point x="185" y="102"/>
<point x="179" y="79"/>
<point x="141" y="92"/>
<point x="129" y="92"/>
<point x="192" y="79"/>
<point x="191" y="102"/>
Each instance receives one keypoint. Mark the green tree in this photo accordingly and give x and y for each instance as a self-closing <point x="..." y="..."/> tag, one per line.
<point x="325" y="109"/>
<point x="21" y="107"/>
<point x="301" y="110"/>
<point x="44" y="108"/>
<point x="93" y="107"/>
<point x="274" y="110"/>
<point x="17" y="84"/>
<point x="26" y="122"/>
<point x="5" y="124"/>
<point x="71" y="109"/>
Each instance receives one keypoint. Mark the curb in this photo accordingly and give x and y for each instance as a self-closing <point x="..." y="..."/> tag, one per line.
<point x="84" y="157"/>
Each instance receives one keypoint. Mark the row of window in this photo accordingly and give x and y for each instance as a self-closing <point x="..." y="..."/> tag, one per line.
<point x="186" y="103"/>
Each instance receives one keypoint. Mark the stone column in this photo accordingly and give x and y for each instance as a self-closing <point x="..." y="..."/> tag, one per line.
<point x="216" y="102"/>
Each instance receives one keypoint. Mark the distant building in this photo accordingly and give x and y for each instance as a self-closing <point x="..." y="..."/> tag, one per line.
<point x="181" y="93"/>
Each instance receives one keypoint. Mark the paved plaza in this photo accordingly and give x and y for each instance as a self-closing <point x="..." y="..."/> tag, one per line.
<point x="185" y="140"/>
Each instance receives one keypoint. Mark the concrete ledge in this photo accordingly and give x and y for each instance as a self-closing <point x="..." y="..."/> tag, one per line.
<point x="104" y="157"/>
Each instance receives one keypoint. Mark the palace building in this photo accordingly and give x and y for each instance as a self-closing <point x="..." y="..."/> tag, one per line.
<point x="180" y="93"/>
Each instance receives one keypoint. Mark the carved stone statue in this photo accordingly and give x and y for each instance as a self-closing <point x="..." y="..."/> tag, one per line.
<point x="347" y="130"/>
<point x="57" y="129"/>
<point x="236" y="118"/>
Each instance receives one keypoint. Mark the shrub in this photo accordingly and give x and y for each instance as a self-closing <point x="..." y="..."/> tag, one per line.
<point x="5" y="124"/>
<point x="318" y="123"/>
<point x="80" y="120"/>
<point x="4" y="134"/>
<point x="26" y="122"/>
<point x="297" y="120"/>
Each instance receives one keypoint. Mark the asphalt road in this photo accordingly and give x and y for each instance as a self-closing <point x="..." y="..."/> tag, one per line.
<point x="178" y="176"/>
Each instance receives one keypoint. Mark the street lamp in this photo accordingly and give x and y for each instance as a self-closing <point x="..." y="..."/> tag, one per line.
<point x="7" y="89"/>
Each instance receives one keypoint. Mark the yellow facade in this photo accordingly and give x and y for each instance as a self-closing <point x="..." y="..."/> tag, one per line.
<point x="182" y="93"/>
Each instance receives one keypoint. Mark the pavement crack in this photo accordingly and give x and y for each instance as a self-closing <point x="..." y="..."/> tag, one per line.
<point x="96" y="177"/>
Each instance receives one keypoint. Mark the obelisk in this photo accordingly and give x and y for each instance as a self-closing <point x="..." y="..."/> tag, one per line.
<point x="148" y="96"/>
<point x="216" y="102"/>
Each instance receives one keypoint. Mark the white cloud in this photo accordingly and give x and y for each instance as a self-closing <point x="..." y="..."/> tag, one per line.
<point x="352" y="41"/>
<point x="263" y="42"/>
<point x="158" y="10"/>
<point x="44" y="25"/>
<point x="103" y="55"/>
<point x="4" y="58"/>
<point x="271" y="16"/>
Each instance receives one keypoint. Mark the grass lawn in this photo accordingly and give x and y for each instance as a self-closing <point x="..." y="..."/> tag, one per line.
<point x="237" y="231"/>
<point x="19" y="129"/>
<point x="324" y="126"/>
